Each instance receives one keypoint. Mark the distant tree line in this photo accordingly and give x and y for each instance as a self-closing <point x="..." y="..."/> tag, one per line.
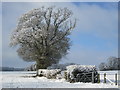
<point x="112" y="63"/>
<point x="11" y="69"/>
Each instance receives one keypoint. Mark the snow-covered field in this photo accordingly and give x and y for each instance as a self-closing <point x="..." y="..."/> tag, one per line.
<point x="27" y="80"/>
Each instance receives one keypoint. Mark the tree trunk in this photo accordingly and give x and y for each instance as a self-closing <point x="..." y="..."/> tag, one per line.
<point x="41" y="64"/>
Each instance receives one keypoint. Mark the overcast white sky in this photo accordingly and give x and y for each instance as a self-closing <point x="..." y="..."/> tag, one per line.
<point x="93" y="40"/>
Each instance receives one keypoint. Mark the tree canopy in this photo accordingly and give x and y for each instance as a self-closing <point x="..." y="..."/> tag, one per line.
<point x="42" y="35"/>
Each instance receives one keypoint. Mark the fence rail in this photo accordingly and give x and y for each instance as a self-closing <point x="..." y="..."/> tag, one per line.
<point x="108" y="79"/>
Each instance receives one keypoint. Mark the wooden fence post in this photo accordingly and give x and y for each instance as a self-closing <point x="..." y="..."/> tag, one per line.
<point x="116" y="79"/>
<point x="104" y="77"/>
<point x="65" y="73"/>
<point x="92" y="77"/>
<point x="37" y="73"/>
<point x="98" y="78"/>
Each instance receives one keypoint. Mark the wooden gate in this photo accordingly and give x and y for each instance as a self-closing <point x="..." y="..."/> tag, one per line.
<point x="87" y="77"/>
<point x="84" y="77"/>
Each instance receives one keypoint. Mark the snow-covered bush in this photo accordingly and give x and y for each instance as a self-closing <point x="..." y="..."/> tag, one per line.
<point x="49" y="73"/>
<point x="85" y="68"/>
<point x="59" y="76"/>
<point x="81" y="73"/>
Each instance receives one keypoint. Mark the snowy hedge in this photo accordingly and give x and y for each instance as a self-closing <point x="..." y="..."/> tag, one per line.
<point x="81" y="73"/>
<point x="73" y="73"/>
<point x="83" y="68"/>
<point x="49" y="73"/>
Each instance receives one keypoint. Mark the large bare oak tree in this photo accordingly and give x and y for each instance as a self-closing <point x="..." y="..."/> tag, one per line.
<point x="42" y="35"/>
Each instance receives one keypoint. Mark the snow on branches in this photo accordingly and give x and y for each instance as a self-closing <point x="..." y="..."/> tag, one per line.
<point x="42" y="35"/>
<point x="41" y="23"/>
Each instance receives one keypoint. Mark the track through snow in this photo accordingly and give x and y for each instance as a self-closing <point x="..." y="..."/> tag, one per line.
<point x="26" y="80"/>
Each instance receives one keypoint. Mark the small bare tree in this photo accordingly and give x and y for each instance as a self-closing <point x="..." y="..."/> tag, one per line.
<point x="42" y="35"/>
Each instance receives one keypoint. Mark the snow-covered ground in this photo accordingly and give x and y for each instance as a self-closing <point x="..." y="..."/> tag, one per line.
<point x="26" y="80"/>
